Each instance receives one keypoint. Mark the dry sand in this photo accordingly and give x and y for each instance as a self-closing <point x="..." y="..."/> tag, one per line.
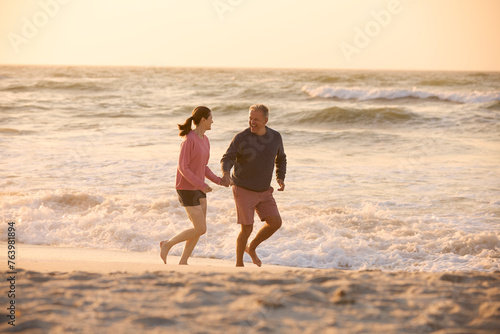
<point x="69" y="290"/>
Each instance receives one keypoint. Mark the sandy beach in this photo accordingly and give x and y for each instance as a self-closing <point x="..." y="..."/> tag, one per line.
<point x="70" y="290"/>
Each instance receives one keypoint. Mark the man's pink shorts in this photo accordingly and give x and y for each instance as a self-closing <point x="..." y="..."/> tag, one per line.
<point x="247" y="202"/>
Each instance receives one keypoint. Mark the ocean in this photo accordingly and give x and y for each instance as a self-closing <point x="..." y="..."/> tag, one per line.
<point x="388" y="170"/>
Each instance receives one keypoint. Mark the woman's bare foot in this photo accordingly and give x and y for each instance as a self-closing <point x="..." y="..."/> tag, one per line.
<point x="164" y="250"/>
<point x="253" y="255"/>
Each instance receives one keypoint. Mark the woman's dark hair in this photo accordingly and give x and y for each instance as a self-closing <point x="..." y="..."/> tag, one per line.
<point x="196" y="116"/>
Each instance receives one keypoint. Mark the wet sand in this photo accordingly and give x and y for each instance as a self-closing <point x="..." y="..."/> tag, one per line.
<point x="70" y="290"/>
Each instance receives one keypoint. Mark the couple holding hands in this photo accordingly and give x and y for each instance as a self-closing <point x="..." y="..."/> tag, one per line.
<point x="253" y="153"/>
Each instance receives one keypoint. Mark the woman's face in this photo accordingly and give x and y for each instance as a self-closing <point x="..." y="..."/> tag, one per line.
<point x="208" y="122"/>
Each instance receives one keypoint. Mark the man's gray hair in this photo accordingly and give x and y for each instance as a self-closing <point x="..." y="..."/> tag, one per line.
<point x="261" y="107"/>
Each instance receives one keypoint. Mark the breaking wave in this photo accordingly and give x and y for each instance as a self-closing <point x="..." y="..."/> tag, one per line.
<point x="363" y="94"/>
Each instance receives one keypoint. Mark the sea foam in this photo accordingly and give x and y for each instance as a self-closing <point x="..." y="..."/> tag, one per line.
<point x="362" y="94"/>
<point x="369" y="236"/>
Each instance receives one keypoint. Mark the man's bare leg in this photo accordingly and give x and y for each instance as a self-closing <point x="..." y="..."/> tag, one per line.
<point x="253" y="255"/>
<point x="273" y="223"/>
<point x="241" y="243"/>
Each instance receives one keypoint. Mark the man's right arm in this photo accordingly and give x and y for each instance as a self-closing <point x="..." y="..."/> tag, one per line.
<point x="228" y="160"/>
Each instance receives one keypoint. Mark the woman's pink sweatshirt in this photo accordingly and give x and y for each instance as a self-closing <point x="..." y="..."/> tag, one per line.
<point x="193" y="160"/>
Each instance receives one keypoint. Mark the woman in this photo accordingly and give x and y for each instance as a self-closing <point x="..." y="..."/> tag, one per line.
<point x="190" y="181"/>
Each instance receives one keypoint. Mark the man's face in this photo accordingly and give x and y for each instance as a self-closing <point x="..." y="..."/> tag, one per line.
<point x="257" y="122"/>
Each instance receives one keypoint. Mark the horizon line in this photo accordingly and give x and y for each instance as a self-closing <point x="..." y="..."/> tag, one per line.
<point x="249" y="67"/>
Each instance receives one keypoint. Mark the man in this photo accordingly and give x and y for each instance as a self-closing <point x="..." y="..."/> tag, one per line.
<point x="254" y="152"/>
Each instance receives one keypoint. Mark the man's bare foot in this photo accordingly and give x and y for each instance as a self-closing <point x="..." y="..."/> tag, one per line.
<point x="253" y="255"/>
<point x="164" y="250"/>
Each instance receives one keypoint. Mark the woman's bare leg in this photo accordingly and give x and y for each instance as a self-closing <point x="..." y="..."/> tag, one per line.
<point x="197" y="215"/>
<point x="200" y="225"/>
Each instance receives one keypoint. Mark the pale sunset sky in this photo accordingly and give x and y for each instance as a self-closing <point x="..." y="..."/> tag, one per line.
<point x="332" y="34"/>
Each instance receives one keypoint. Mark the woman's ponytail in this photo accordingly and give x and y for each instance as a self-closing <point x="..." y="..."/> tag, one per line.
<point x="196" y="116"/>
<point x="186" y="127"/>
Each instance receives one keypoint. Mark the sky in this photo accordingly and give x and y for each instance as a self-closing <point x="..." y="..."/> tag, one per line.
<point x="444" y="35"/>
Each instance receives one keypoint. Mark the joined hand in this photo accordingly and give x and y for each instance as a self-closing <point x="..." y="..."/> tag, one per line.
<point x="226" y="180"/>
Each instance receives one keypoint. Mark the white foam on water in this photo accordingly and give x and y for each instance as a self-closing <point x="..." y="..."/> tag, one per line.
<point x="364" y="237"/>
<point x="361" y="94"/>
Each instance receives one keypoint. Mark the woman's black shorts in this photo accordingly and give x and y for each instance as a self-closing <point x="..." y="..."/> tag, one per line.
<point x="190" y="197"/>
